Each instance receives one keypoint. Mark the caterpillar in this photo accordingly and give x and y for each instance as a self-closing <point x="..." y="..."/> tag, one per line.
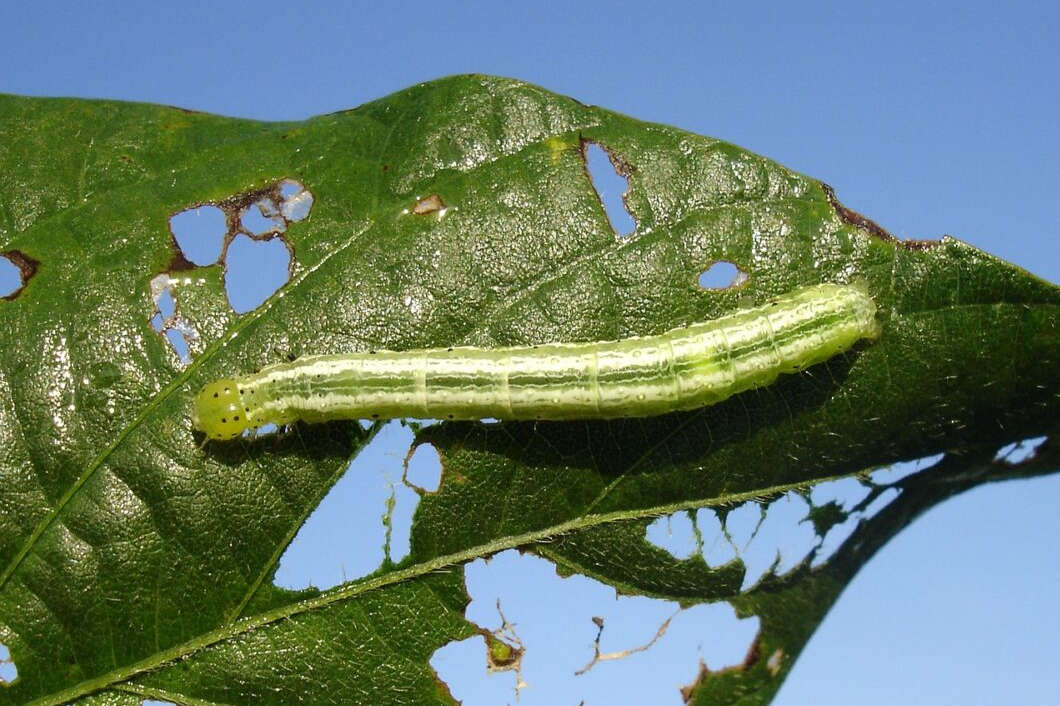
<point x="685" y="368"/>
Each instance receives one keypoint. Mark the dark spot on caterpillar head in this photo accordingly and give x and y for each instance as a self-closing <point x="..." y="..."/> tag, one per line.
<point x="450" y="349"/>
<point x="375" y="416"/>
<point x="534" y="347"/>
<point x="242" y="391"/>
<point x="228" y="389"/>
<point x="215" y="394"/>
<point x="450" y="416"/>
<point x="224" y="420"/>
<point x="235" y="418"/>
<point x="246" y="409"/>
<point x="371" y="352"/>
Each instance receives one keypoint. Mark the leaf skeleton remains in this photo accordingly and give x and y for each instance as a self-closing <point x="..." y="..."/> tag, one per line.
<point x="686" y="368"/>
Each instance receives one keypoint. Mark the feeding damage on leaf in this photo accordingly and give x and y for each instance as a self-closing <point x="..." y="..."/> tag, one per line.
<point x="430" y="204"/>
<point x="525" y="256"/>
<point x="609" y="175"/>
<point x="852" y="217"/>
<point x="8" y="672"/>
<point x="23" y="266"/>
<point x="569" y="627"/>
<point x="227" y="232"/>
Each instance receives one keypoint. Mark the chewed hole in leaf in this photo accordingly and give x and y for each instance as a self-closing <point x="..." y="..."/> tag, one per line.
<point x="780" y="540"/>
<point x="16" y="269"/>
<point x="423" y="469"/>
<point x="199" y="233"/>
<point x="260" y="432"/>
<point x="367" y="513"/>
<point x="897" y="471"/>
<point x="165" y="319"/>
<point x="721" y="275"/>
<point x="844" y="492"/>
<point x="610" y="185"/>
<point x="254" y="271"/>
<point x="840" y="532"/>
<point x="880" y="501"/>
<point x="10" y="277"/>
<point x="676" y="534"/>
<point x="263" y="217"/>
<point x="583" y="637"/>
<point x="1019" y="451"/>
<point x="295" y="200"/>
<point x="179" y="341"/>
<point x="774" y="537"/>
<point x="8" y="671"/>
<point x="717" y="546"/>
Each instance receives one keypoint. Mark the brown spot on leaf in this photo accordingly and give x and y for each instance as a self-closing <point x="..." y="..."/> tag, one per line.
<point x="428" y="204"/>
<point x="179" y="262"/>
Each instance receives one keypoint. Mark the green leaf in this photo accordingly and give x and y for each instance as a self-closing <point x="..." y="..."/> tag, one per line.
<point x="136" y="562"/>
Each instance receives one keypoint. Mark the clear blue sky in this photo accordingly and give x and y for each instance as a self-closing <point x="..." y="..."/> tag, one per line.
<point x="928" y="117"/>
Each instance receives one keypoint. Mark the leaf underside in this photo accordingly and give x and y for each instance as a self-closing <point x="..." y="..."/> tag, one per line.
<point x="136" y="563"/>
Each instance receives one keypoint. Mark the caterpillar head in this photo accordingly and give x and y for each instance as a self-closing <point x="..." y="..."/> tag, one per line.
<point x="218" y="412"/>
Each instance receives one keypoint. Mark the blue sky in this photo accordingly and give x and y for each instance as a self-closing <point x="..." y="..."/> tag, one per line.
<point x="928" y="117"/>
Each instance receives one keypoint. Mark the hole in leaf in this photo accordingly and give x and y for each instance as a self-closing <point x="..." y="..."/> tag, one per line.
<point x="254" y="270"/>
<point x="166" y="306"/>
<point x="758" y="534"/>
<point x="200" y="233"/>
<point x="16" y="270"/>
<point x="841" y="531"/>
<point x="179" y="341"/>
<point x="721" y="275"/>
<point x="611" y="186"/>
<point x="885" y="498"/>
<point x="10" y="277"/>
<point x="649" y="646"/>
<point x="258" y="432"/>
<point x="8" y="672"/>
<point x="1019" y="451"/>
<point x="845" y="492"/>
<point x="296" y="201"/>
<point x="781" y="533"/>
<point x="897" y="471"/>
<point x="262" y="218"/>
<point x="165" y="320"/>
<point x="718" y="548"/>
<point x="675" y="533"/>
<point x="424" y="468"/>
<point x="368" y="508"/>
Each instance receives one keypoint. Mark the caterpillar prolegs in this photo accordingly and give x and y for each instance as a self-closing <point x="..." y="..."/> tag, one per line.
<point x="686" y="368"/>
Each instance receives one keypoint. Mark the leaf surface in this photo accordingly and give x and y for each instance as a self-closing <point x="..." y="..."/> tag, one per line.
<point x="134" y="562"/>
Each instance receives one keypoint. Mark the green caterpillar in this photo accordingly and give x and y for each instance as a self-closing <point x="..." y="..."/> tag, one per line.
<point x="686" y="368"/>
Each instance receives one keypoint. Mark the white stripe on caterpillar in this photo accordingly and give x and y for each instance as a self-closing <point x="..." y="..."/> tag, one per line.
<point x="686" y="368"/>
